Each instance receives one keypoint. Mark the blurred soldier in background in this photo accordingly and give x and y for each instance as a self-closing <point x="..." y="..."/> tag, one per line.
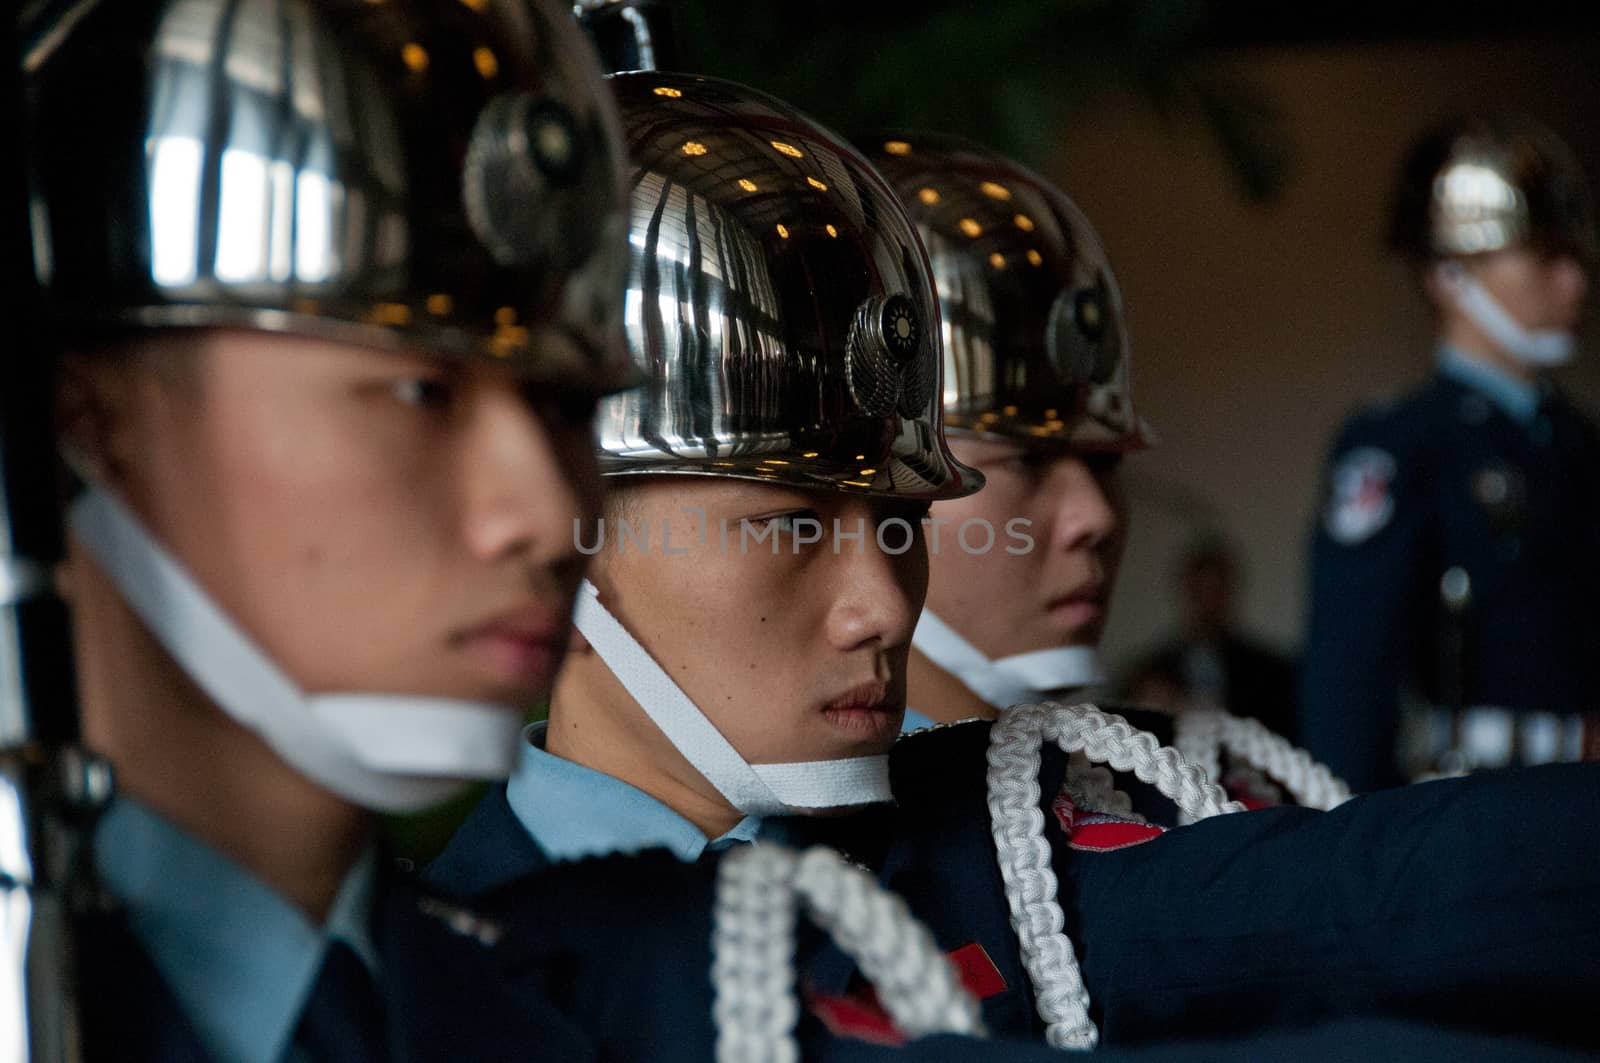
<point x="1456" y="561"/>
<point x="335" y="288"/>
<point x="1211" y="662"/>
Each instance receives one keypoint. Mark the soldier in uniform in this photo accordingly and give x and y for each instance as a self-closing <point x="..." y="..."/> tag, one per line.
<point x="1037" y="397"/>
<point x="335" y="288"/>
<point x="1457" y="551"/>
<point x="743" y="656"/>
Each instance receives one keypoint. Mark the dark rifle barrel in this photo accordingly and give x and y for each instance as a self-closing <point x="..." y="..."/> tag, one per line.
<point x="40" y="828"/>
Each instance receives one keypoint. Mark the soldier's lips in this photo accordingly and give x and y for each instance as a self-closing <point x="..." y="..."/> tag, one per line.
<point x="865" y="711"/>
<point x="523" y="646"/>
<point x="1078" y="611"/>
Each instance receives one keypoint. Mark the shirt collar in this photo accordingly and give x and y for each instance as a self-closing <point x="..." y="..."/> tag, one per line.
<point x="573" y="812"/>
<point x="239" y="959"/>
<point x="1517" y="397"/>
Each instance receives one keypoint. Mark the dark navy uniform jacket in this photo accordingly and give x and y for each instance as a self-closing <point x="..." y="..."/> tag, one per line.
<point x="1448" y="478"/>
<point x="444" y="993"/>
<point x="1472" y="902"/>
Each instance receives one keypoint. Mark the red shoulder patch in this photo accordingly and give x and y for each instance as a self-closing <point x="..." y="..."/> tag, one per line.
<point x="1099" y="832"/>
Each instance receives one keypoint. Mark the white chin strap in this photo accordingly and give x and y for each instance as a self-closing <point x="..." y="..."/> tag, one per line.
<point x="391" y="753"/>
<point x="754" y="789"/>
<point x="1543" y="348"/>
<point x="1025" y="677"/>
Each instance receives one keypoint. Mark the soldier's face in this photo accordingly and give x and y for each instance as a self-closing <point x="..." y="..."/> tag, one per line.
<point x="796" y="650"/>
<point x="1011" y="599"/>
<point x="376" y="522"/>
<point x="1542" y="291"/>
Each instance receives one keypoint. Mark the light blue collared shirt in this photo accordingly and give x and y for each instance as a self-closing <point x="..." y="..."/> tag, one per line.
<point x="240" y="959"/>
<point x="1517" y="397"/>
<point x="573" y="812"/>
<point x="914" y="721"/>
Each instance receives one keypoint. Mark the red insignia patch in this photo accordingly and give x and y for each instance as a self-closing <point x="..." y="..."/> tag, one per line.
<point x="978" y="972"/>
<point x="858" y="1014"/>
<point x="1099" y="832"/>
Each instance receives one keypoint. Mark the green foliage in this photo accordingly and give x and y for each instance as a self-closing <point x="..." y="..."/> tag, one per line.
<point x="1007" y="72"/>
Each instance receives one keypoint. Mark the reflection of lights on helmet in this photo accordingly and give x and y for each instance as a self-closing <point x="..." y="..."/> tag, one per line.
<point x="668" y="91"/>
<point x="928" y="195"/>
<point x="1037" y="354"/>
<point x="693" y="148"/>
<point x="335" y="198"/>
<point x="897" y="147"/>
<point x="794" y="342"/>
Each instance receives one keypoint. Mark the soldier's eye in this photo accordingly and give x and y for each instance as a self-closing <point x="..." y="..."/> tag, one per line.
<point x="424" y="392"/>
<point x="790" y="523"/>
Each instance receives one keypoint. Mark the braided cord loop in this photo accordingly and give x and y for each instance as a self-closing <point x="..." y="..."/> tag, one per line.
<point x="1017" y="823"/>
<point x="760" y="890"/>
<point x="1201" y="733"/>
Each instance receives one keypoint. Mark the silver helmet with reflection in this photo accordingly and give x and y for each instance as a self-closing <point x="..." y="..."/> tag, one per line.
<point x="1035" y="343"/>
<point x="778" y="297"/>
<point x="431" y="175"/>
<point x="1482" y="183"/>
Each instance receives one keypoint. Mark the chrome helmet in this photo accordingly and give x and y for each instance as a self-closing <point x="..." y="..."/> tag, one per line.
<point x="1477" y="184"/>
<point x="780" y="299"/>
<point x="423" y="174"/>
<point x="1035" y="344"/>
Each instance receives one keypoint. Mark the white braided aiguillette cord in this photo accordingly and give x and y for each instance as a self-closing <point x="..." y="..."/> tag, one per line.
<point x="916" y="983"/>
<point x="1197" y="734"/>
<point x="1024" y="856"/>
<point x="752" y="965"/>
<point x="755" y="1008"/>
<point x="1310" y="782"/>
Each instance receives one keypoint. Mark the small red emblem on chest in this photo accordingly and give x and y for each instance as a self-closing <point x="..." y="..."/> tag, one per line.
<point x="858" y="1014"/>
<point x="1099" y="832"/>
